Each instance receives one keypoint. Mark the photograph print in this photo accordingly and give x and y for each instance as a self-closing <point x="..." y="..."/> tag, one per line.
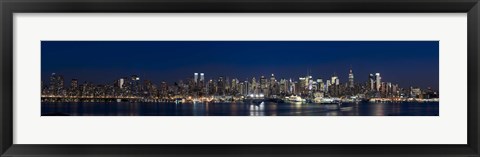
<point x="239" y="78"/>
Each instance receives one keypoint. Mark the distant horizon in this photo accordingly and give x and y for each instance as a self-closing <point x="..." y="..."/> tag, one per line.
<point x="407" y="63"/>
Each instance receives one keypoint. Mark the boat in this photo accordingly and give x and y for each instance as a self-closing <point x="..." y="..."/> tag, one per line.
<point x="295" y="99"/>
<point x="328" y="100"/>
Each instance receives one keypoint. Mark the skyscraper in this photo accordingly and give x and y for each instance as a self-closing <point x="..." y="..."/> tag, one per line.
<point x="56" y="84"/>
<point x="202" y="77"/>
<point x="121" y="83"/>
<point x="263" y="85"/>
<point x="371" y="79"/>
<point x="135" y="84"/>
<point x="328" y="86"/>
<point x="321" y="85"/>
<point x="378" y="81"/>
<point x="350" y="79"/>
<point x="272" y="80"/>
<point x="303" y="84"/>
<point x="309" y="80"/>
<point x="246" y="88"/>
<point x="335" y="79"/>
<point x="74" y="84"/>
<point x="163" y="89"/>
<point x="272" y="86"/>
<point x="254" y="87"/>
<point x="195" y="77"/>
<point x="221" y="86"/>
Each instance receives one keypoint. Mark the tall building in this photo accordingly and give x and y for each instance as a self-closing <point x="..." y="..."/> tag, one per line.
<point x="335" y="80"/>
<point x="309" y="80"/>
<point x="221" y="86"/>
<point x="211" y="88"/>
<point x="389" y="89"/>
<point x="246" y="88"/>
<point x="350" y="79"/>
<point x="253" y="88"/>
<point x="310" y="84"/>
<point x="163" y="89"/>
<point x="121" y="83"/>
<point x="195" y="77"/>
<point x="73" y="91"/>
<point x="135" y="84"/>
<point x="371" y="79"/>
<point x="234" y="86"/>
<point x="328" y="86"/>
<point x="321" y="85"/>
<point x="415" y="92"/>
<point x="272" y="86"/>
<point x="56" y="84"/>
<point x="292" y="87"/>
<point x="74" y="84"/>
<point x="227" y="85"/>
<point x="241" y="88"/>
<point x="283" y="86"/>
<point x="303" y="84"/>
<point x="378" y="81"/>
<point x="272" y="80"/>
<point x="202" y="77"/>
<point x="263" y="85"/>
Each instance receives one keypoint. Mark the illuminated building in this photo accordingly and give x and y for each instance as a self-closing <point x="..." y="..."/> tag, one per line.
<point x="56" y="84"/>
<point x="371" y="79"/>
<point x="235" y="88"/>
<point x="350" y="79"/>
<point x="163" y="89"/>
<point x="253" y="88"/>
<point x="292" y="87"/>
<point x="303" y="84"/>
<point x="378" y="81"/>
<point x="321" y="85"/>
<point x="328" y="86"/>
<point x="283" y="86"/>
<point x="220" y="86"/>
<point x="121" y="83"/>
<point x="416" y="92"/>
<point x="335" y="80"/>
<point x="272" y="86"/>
<point x="195" y="77"/>
<point x="263" y="85"/>
<point x="246" y="89"/>
<point x="134" y="84"/>
<point x="309" y="81"/>
<point x="202" y="77"/>
<point x="74" y="84"/>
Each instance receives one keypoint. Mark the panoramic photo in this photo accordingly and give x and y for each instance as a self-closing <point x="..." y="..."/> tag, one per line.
<point x="240" y="78"/>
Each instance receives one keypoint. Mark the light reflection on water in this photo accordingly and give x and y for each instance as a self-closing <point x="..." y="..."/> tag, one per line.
<point x="240" y="109"/>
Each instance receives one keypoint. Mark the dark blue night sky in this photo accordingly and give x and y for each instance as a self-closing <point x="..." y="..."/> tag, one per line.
<point x="409" y="63"/>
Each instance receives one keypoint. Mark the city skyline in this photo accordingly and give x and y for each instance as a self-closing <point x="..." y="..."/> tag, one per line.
<point x="409" y="63"/>
<point x="222" y="88"/>
<point x="240" y="78"/>
<point x="351" y="76"/>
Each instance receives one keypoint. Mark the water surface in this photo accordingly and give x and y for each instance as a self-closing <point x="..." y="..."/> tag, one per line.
<point x="239" y="109"/>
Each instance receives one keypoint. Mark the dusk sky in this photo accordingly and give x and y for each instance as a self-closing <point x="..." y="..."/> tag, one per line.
<point x="408" y="63"/>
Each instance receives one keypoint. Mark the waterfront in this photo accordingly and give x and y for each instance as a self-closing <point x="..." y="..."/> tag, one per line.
<point x="239" y="109"/>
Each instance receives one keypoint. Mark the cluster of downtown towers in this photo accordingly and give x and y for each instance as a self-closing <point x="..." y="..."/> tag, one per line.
<point x="223" y="87"/>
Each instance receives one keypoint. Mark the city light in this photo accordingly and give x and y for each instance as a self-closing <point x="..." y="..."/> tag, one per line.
<point x="222" y="89"/>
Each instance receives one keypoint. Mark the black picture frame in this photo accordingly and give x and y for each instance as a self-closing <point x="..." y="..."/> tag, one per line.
<point x="8" y="7"/>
